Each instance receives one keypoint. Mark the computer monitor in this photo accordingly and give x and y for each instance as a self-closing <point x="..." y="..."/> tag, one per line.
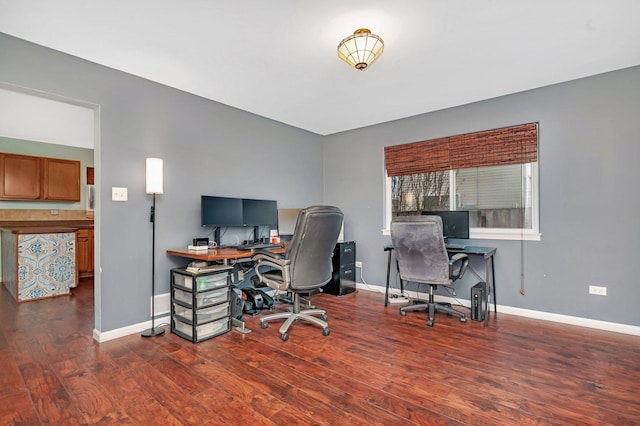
<point x="260" y="213"/>
<point x="287" y="219"/>
<point x="455" y="223"/>
<point x="221" y="211"/>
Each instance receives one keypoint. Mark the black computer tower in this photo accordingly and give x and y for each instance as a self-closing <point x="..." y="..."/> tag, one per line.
<point x="343" y="279"/>
<point x="478" y="301"/>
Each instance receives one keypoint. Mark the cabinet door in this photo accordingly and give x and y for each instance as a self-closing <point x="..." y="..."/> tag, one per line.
<point x="61" y="180"/>
<point x="20" y="177"/>
<point x="84" y="252"/>
<point x="82" y="245"/>
<point x="91" y="253"/>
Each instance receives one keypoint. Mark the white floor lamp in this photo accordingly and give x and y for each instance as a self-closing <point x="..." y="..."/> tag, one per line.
<point x="154" y="186"/>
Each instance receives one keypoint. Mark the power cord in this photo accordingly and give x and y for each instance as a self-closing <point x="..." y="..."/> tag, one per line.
<point x="452" y="294"/>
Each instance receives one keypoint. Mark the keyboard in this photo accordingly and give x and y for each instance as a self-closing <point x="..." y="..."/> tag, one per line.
<point x="258" y="246"/>
<point x="454" y="246"/>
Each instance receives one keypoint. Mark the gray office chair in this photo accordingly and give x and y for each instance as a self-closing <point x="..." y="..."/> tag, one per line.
<point x="305" y="266"/>
<point x="422" y="258"/>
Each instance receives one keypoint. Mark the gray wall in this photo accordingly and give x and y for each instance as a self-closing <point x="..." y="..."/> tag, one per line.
<point x="588" y="144"/>
<point x="208" y="148"/>
<point x="589" y="201"/>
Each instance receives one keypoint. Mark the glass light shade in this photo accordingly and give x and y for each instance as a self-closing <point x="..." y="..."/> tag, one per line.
<point x="154" y="176"/>
<point x="360" y="49"/>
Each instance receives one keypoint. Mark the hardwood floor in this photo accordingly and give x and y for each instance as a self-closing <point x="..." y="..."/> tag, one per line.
<point x="376" y="367"/>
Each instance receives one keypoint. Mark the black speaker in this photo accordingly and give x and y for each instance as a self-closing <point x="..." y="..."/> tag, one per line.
<point x="478" y="301"/>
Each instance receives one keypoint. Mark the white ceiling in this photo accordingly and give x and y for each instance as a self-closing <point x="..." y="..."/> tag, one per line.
<point x="277" y="58"/>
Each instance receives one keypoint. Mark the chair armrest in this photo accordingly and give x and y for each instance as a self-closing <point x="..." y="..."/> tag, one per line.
<point x="458" y="265"/>
<point x="271" y="259"/>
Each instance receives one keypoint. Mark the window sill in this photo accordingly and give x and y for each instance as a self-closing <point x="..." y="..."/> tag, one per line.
<point x="497" y="234"/>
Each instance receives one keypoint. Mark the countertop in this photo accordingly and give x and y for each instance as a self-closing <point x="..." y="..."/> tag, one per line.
<point x="19" y="224"/>
<point x="45" y="226"/>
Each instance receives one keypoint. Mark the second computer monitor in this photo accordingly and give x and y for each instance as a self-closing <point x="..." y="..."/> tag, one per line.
<point x="455" y="223"/>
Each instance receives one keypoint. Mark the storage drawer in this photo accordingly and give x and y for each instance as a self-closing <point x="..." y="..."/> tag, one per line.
<point x="204" y="282"/>
<point x="204" y="314"/>
<point x="345" y="252"/>
<point x="205" y="298"/>
<point x="209" y="282"/>
<point x="183" y="280"/>
<point x="204" y="331"/>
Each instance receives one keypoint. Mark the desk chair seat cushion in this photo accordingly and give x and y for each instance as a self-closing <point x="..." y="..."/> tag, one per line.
<point x="420" y="250"/>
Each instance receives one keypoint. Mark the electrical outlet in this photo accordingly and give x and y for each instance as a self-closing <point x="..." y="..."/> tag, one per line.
<point x="358" y="264"/>
<point x="600" y="291"/>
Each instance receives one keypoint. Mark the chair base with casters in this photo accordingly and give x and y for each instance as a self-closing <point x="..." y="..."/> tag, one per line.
<point x="432" y="307"/>
<point x="295" y="315"/>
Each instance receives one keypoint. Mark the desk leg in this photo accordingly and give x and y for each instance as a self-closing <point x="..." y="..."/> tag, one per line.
<point x="401" y="281"/>
<point x="491" y="288"/>
<point x="386" y="292"/>
<point x="493" y="283"/>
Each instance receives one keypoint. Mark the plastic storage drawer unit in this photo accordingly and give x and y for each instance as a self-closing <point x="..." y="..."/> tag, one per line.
<point x="200" y="307"/>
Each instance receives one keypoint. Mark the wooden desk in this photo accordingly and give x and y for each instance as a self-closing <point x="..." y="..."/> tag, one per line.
<point x="225" y="255"/>
<point x="486" y="252"/>
<point x="219" y="254"/>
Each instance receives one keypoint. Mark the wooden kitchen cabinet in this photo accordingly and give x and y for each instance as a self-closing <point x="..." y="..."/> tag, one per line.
<point x="24" y="177"/>
<point x="20" y="177"/>
<point x="61" y="180"/>
<point x="84" y="251"/>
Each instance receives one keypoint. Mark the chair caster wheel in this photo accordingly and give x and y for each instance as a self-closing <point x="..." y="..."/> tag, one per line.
<point x="264" y="324"/>
<point x="324" y="317"/>
<point x="463" y="319"/>
<point x="325" y="331"/>
<point x="430" y="323"/>
<point x="403" y="313"/>
<point x="284" y="337"/>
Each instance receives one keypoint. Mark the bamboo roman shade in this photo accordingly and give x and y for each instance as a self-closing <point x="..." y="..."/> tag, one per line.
<point x="508" y="145"/>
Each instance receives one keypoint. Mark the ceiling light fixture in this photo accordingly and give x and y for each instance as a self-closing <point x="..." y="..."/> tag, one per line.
<point x="360" y="49"/>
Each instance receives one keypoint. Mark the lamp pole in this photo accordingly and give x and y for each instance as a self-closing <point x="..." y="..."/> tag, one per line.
<point x="154" y="186"/>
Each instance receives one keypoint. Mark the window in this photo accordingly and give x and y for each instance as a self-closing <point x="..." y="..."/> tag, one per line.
<point x="494" y="177"/>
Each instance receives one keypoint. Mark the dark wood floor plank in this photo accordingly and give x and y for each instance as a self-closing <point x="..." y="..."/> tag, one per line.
<point x="376" y="367"/>
<point x="52" y="402"/>
<point x="17" y="408"/>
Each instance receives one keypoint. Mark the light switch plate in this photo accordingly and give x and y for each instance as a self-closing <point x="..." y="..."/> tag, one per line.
<point x="118" y="194"/>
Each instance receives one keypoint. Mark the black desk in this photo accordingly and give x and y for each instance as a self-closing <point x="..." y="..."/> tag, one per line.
<point x="486" y="252"/>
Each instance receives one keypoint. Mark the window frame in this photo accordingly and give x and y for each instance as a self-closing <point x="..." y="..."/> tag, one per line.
<point x="518" y="234"/>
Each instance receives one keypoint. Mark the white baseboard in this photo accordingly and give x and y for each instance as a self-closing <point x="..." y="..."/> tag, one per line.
<point x="162" y="314"/>
<point x="163" y="301"/>
<point x="128" y="330"/>
<point x="528" y="313"/>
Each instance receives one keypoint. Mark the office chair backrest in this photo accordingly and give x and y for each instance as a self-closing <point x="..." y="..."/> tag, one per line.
<point x="311" y="247"/>
<point x="420" y="250"/>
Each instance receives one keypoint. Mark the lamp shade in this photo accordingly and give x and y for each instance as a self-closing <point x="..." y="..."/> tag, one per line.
<point x="154" y="176"/>
<point x="360" y="49"/>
